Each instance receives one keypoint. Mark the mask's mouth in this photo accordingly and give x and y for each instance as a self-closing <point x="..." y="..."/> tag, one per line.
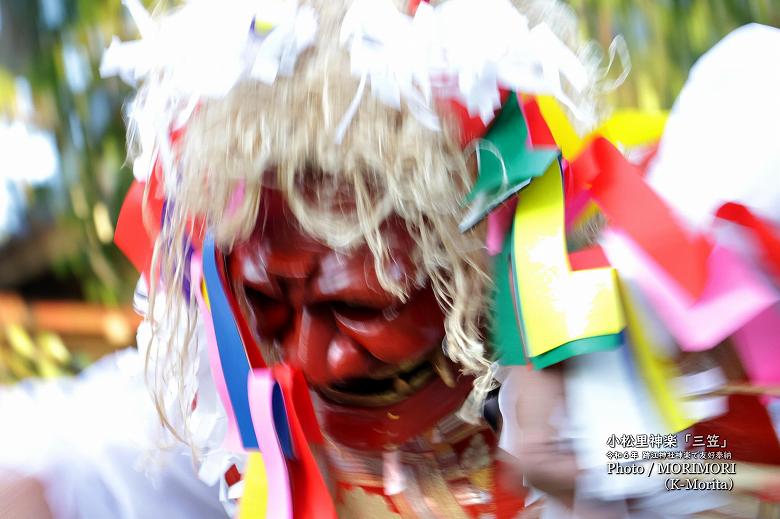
<point x="392" y="384"/>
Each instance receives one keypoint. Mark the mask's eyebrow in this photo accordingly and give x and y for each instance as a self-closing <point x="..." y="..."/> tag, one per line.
<point x="350" y="279"/>
<point x="247" y="268"/>
<point x="291" y="263"/>
<point x="274" y="253"/>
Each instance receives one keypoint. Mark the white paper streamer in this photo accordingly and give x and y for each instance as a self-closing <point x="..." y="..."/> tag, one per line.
<point x="462" y="49"/>
<point x="203" y="50"/>
<point x="206" y="47"/>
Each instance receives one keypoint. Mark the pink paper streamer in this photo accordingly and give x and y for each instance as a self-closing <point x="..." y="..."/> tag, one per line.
<point x="232" y="440"/>
<point x="260" y="386"/>
<point x="733" y="296"/>
<point x="498" y="223"/>
<point x="758" y="346"/>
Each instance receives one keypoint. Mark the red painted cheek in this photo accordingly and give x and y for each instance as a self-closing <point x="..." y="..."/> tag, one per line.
<point x="413" y="331"/>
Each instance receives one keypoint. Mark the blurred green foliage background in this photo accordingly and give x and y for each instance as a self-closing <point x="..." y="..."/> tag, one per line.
<point x="665" y="38"/>
<point x="56" y="224"/>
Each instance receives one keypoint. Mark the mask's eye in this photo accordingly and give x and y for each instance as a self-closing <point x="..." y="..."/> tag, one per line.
<point x="271" y="316"/>
<point x="249" y="269"/>
<point x="354" y="308"/>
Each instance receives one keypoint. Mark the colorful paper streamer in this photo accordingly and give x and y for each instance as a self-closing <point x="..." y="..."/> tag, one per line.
<point x="632" y="206"/>
<point x="232" y="440"/>
<point x="559" y="307"/>
<point x="732" y="297"/>
<point x="311" y="497"/>
<point x="618" y="188"/>
<point x="628" y="128"/>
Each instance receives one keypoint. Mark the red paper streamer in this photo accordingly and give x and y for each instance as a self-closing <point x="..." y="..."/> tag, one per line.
<point x="131" y="236"/>
<point x="761" y="229"/>
<point x="413" y="5"/>
<point x="232" y="476"/>
<point x="311" y="498"/>
<point x="631" y="205"/>
<point x="592" y="257"/>
<point x="539" y="132"/>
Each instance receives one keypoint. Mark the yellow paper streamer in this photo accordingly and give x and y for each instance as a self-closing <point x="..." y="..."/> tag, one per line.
<point x="205" y="294"/>
<point x="254" y="502"/>
<point x="632" y="128"/>
<point x="558" y="305"/>
<point x="656" y="369"/>
<point x="628" y="128"/>
<point x="567" y="139"/>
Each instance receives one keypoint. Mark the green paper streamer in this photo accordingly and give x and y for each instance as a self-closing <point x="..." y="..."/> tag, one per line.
<point x="578" y="347"/>
<point x="505" y="328"/>
<point x="508" y="138"/>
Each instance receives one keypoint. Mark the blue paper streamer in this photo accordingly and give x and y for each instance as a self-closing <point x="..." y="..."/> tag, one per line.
<point x="281" y="422"/>
<point x="235" y="364"/>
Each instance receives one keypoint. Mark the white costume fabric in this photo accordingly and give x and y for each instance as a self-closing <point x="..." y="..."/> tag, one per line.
<point x="721" y="141"/>
<point x="93" y="441"/>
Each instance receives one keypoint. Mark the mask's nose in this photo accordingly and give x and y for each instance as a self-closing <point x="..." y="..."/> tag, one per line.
<point x="316" y="345"/>
<point x="396" y="335"/>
